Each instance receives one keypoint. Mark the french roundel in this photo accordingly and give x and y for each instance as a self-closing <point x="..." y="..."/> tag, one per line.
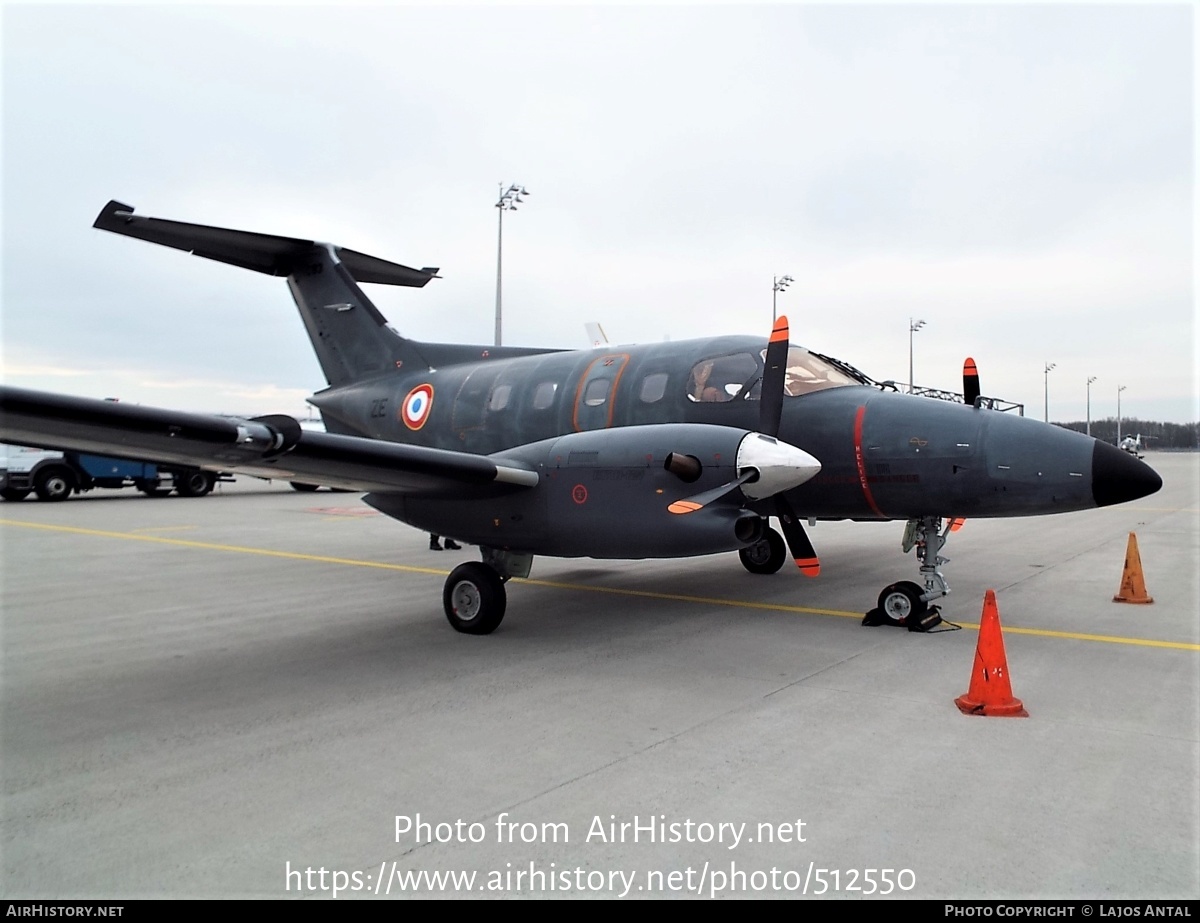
<point x="415" y="410"/>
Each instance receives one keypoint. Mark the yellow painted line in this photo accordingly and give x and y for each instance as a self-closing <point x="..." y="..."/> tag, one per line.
<point x="212" y="546"/>
<point x="676" y="597"/>
<point x="582" y="587"/>
<point x="163" y="529"/>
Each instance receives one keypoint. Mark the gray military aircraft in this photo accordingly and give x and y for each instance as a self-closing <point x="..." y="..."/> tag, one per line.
<point x="664" y="450"/>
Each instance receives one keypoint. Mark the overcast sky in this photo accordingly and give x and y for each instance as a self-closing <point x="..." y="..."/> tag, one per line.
<point x="1019" y="177"/>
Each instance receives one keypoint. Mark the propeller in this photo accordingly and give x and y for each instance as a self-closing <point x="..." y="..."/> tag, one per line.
<point x="970" y="382"/>
<point x="770" y="415"/>
<point x="764" y="452"/>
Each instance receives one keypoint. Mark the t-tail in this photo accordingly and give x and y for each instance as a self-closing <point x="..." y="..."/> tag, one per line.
<point x="351" y="338"/>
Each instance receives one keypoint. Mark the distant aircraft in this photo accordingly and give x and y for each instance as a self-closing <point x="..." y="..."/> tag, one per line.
<point x="1133" y="445"/>
<point x="664" y="450"/>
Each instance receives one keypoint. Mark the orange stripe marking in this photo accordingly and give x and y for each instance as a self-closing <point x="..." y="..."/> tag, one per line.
<point x="685" y="506"/>
<point x="780" y="331"/>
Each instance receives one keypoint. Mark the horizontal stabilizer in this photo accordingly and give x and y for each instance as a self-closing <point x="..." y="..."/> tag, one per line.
<point x="269" y="447"/>
<point x="267" y="253"/>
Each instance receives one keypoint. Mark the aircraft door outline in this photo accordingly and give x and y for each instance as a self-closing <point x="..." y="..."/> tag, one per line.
<point x="596" y="392"/>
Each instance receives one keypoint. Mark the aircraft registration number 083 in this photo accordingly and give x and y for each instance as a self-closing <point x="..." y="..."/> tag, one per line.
<point x="864" y="881"/>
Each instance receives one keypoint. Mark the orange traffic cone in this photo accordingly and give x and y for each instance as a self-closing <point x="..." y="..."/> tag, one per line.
<point x="991" y="692"/>
<point x="1133" y="584"/>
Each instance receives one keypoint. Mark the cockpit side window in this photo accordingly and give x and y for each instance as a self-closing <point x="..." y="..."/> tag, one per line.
<point x="723" y="378"/>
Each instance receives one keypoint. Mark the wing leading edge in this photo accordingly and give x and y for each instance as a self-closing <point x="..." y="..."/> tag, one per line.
<point x="273" y="447"/>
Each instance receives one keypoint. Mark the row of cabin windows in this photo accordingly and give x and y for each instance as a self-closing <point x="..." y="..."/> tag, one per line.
<point x="654" y="388"/>
<point x="717" y="380"/>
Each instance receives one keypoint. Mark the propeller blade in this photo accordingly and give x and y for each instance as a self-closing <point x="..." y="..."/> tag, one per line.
<point x="970" y="382"/>
<point x="957" y="523"/>
<point x="798" y="541"/>
<point x="771" y="404"/>
<point x="700" y="501"/>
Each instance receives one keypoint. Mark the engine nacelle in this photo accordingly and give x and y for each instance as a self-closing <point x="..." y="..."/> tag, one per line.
<point x="605" y="494"/>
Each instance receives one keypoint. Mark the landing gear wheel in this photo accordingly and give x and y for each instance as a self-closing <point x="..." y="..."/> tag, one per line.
<point x="194" y="483"/>
<point x="901" y="602"/>
<point x="765" y="556"/>
<point x="13" y="493"/>
<point x="474" y="598"/>
<point x="54" y="484"/>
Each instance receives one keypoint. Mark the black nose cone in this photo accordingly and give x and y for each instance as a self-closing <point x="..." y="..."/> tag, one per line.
<point x="1118" y="477"/>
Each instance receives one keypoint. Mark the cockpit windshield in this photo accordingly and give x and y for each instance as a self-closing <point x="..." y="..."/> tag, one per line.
<point x="738" y="376"/>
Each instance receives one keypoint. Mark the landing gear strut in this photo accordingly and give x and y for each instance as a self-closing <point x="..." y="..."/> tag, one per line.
<point x="906" y="603"/>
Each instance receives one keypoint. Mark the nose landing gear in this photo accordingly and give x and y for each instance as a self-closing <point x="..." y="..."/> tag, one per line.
<point x="906" y="603"/>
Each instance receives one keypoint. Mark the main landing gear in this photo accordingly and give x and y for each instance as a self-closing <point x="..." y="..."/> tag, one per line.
<point x="474" y="597"/>
<point x="907" y="603"/>
<point x="766" y="555"/>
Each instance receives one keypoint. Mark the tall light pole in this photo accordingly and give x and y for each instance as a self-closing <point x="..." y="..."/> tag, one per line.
<point x="1049" y="366"/>
<point x="1120" y="388"/>
<point x="779" y="285"/>
<point x="912" y="328"/>
<point x="506" y="203"/>
<point x="1091" y="378"/>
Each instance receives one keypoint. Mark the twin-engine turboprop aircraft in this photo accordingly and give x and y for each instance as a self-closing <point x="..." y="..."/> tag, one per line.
<point x="658" y="451"/>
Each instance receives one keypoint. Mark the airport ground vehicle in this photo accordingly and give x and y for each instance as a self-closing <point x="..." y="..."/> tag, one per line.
<point x="56" y="475"/>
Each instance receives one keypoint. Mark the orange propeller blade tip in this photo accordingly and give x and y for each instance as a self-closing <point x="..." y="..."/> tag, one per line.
<point x="969" y="367"/>
<point x="810" y="567"/>
<point x="685" y="506"/>
<point x="780" y="330"/>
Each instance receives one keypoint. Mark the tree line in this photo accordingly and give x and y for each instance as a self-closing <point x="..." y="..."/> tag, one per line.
<point x="1155" y="434"/>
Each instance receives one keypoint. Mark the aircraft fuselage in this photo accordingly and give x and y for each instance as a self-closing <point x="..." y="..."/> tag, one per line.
<point x="884" y="455"/>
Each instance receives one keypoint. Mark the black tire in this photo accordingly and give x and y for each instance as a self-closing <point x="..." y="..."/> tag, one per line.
<point x="304" y="488"/>
<point x="765" y="556"/>
<point x="14" y="493"/>
<point x="902" y="601"/>
<point x="54" y="483"/>
<point x="194" y="483"/>
<point x="474" y="598"/>
<point x="153" y="488"/>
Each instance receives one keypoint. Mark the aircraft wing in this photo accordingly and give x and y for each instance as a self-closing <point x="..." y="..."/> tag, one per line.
<point x="270" y="447"/>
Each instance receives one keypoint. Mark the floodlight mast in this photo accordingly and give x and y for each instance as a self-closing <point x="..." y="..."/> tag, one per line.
<point x="1049" y="367"/>
<point x="913" y="327"/>
<point x="1091" y="378"/>
<point x="779" y="284"/>
<point x="506" y="202"/>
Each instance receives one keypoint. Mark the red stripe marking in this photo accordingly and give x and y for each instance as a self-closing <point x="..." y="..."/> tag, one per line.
<point x="861" y="462"/>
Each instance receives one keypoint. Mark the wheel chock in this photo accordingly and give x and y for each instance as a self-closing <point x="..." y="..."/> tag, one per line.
<point x="990" y="692"/>
<point x="1133" y="583"/>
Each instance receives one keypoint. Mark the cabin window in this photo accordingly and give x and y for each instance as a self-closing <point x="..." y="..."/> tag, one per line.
<point x="653" y="388"/>
<point x="543" y="394"/>
<point x="596" y="392"/>
<point x="722" y="378"/>
<point x="500" y="397"/>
